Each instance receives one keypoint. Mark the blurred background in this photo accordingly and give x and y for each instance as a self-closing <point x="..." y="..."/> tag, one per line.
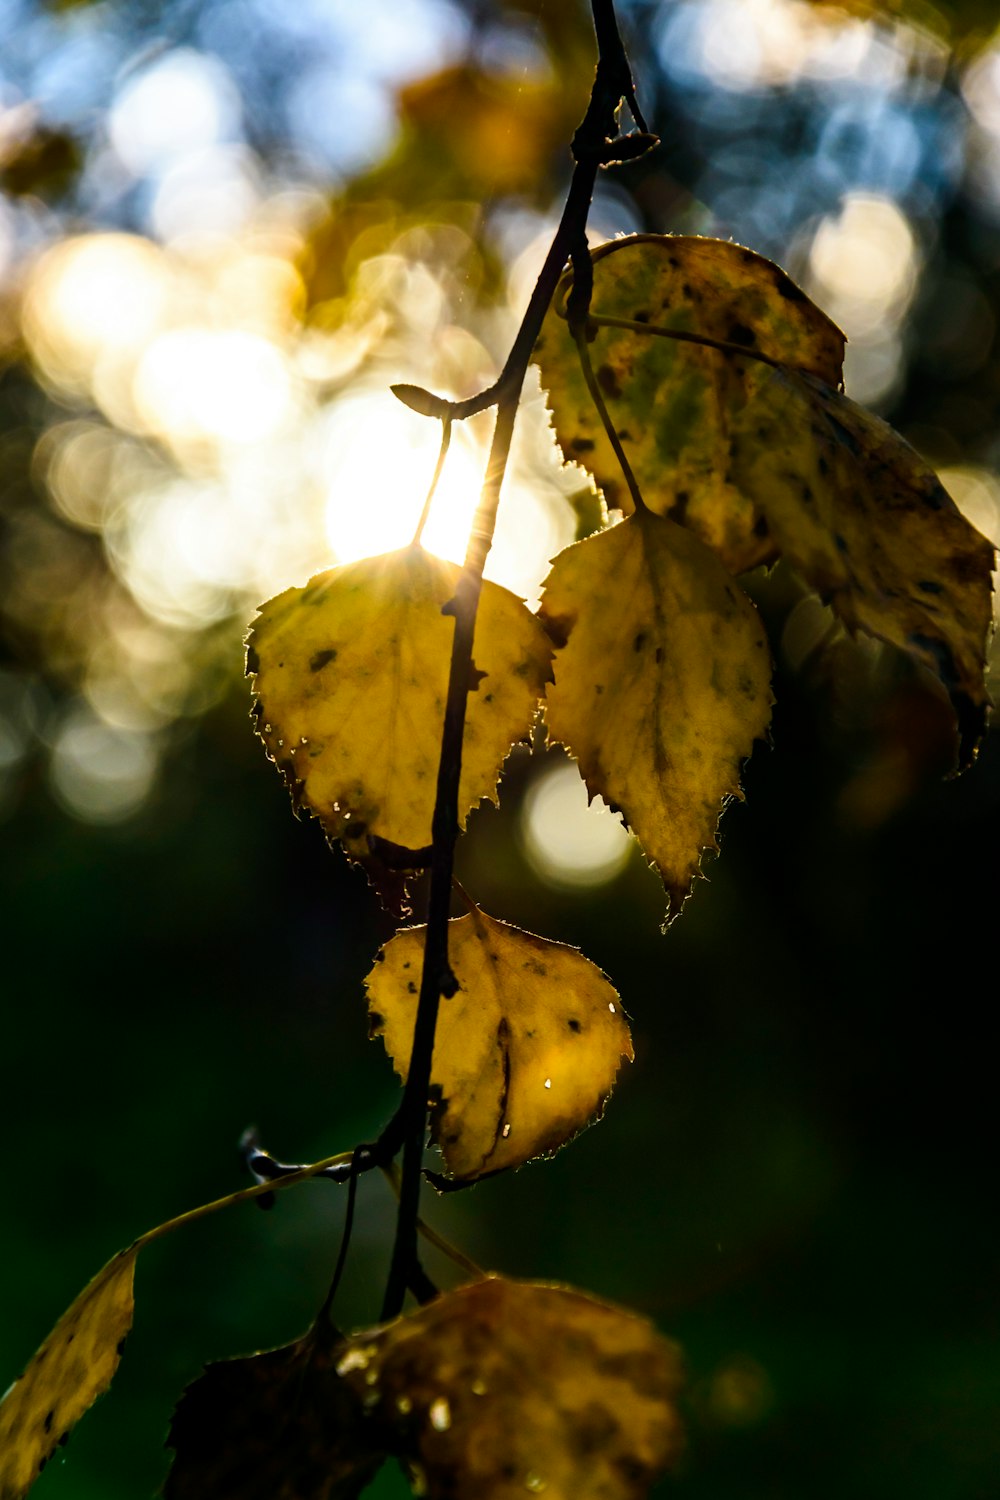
<point x="225" y="228"/>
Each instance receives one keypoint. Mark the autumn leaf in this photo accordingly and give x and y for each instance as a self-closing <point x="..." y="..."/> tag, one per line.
<point x="73" y="1367"/>
<point x="869" y="526"/>
<point x="274" y="1426"/>
<point x="503" y="1388"/>
<point x="526" y="1052"/>
<point x="351" y="676"/>
<point x="661" y="687"/>
<point x="672" y="401"/>
<point x="78" y="1360"/>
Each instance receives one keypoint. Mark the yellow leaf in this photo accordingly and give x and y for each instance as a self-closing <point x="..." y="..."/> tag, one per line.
<point x="525" y="1053"/>
<point x="351" y="677"/>
<point x="504" y="1389"/>
<point x="870" y="527"/>
<point x="671" y="402"/>
<point x="73" y="1367"/>
<point x="662" y="686"/>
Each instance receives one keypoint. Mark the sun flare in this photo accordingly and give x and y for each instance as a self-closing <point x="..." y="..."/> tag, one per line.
<point x="377" y="459"/>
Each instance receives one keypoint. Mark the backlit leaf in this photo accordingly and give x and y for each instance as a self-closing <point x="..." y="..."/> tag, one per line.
<point x="351" y="676"/>
<point x="275" y="1426"/>
<point x="672" y="402"/>
<point x="73" y="1367"/>
<point x="503" y="1389"/>
<point x="662" y="686"/>
<point x="870" y="527"/>
<point x="526" y="1052"/>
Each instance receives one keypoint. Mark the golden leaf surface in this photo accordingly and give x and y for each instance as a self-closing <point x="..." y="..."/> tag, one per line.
<point x="503" y="1388"/>
<point x="73" y="1367"/>
<point x="672" y="401"/>
<point x="662" y="686"/>
<point x="275" y="1426"/>
<point x="869" y="526"/>
<point x="525" y="1053"/>
<point x="351" y="677"/>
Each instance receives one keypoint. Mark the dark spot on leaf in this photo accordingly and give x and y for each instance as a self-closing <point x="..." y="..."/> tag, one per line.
<point x="574" y="1025"/>
<point x="739" y="333"/>
<point x="49" y="1419"/>
<point x="841" y="544"/>
<point x="376" y="1020"/>
<point x="608" y="381"/>
<point x="929" y="586"/>
<point x="659" y="655"/>
<point x="411" y="988"/>
<point x="582" y="444"/>
<point x="624" y="436"/>
<point x="639" y="641"/>
<point x="321" y="659"/>
<point x="641" y="317"/>
<point x="678" y="511"/>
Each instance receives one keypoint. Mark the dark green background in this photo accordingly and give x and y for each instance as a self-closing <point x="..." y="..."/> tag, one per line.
<point x="797" y="1172"/>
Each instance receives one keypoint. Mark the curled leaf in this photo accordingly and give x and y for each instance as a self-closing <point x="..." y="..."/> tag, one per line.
<point x="73" y="1367"/>
<point x="526" y="1052"/>
<point x="661" y="687"/>
<point x="503" y="1388"/>
<point x="351" y="676"/>
<point x="278" y="1424"/>
<point x="868" y="524"/>
<point x="671" y="401"/>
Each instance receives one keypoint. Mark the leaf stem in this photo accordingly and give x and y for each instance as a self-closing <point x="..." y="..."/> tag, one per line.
<point x="580" y="336"/>
<point x="345" y="1237"/>
<point x="391" y="1175"/>
<point x="270" y="1185"/>
<point x="593" y="144"/>
<point x="442" y="455"/>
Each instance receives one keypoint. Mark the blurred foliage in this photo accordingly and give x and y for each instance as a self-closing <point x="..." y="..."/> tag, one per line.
<point x="224" y="230"/>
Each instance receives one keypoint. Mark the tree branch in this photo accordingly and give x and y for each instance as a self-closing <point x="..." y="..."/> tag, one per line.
<point x="595" y="143"/>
